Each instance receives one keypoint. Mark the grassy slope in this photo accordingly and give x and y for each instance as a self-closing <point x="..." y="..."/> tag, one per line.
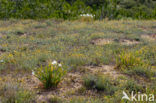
<point x="27" y="44"/>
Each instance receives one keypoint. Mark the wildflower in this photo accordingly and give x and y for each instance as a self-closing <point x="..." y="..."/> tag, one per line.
<point x="87" y="15"/>
<point x="50" y="75"/>
<point x="54" y="62"/>
<point x="1" y="61"/>
<point x="60" y="65"/>
<point x="33" y="73"/>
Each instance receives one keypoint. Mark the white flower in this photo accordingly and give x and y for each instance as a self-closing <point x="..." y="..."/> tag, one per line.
<point x="60" y="65"/>
<point x="87" y="15"/>
<point x="33" y="73"/>
<point x="1" y="61"/>
<point x="54" y="62"/>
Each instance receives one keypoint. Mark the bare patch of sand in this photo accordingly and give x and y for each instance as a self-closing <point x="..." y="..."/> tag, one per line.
<point x="149" y="37"/>
<point x="128" y="42"/>
<point x="102" y="41"/>
<point x="109" y="41"/>
<point x="105" y="69"/>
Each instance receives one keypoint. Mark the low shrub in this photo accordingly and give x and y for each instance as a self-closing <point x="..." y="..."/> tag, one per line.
<point x="134" y="63"/>
<point x="50" y="75"/>
<point x="99" y="83"/>
<point x="133" y="86"/>
<point x="128" y="60"/>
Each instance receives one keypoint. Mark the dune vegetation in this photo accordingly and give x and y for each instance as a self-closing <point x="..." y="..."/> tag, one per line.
<point x="72" y="9"/>
<point x="81" y="61"/>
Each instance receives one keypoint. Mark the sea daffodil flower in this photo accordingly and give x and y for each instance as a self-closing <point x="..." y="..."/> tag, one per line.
<point x="54" y="62"/>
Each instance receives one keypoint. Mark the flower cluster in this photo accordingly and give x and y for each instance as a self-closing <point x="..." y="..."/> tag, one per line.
<point x="50" y="75"/>
<point x="87" y="15"/>
<point x="1" y="61"/>
<point x="55" y="63"/>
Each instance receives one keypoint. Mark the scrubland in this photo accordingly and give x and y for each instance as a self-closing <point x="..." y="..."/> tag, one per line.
<point x="100" y="60"/>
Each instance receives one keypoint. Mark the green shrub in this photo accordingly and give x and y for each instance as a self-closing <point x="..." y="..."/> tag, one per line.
<point x="50" y="75"/>
<point x="90" y="81"/>
<point x="128" y="60"/>
<point x="133" y="86"/>
<point x="112" y="9"/>
<point x="134" y="63"/>
<point x="99" y="83"/>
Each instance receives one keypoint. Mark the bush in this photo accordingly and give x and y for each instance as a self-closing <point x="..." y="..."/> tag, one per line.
<point x="134" y="63"/>
<point x="128" y="60"/>
<point x="43" y="9"/>
<point x="50" y="75"/>
<point x="90" y="81"/>
<point x="133" y="86"/>
<point x="100" y="84"/>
